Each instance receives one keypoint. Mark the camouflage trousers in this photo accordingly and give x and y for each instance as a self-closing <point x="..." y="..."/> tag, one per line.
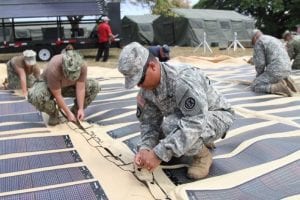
<point x="218" y="123"/>
<point x="41" y="97"/>
<point x="262" y="83"/>
<point x="14" y="80"/>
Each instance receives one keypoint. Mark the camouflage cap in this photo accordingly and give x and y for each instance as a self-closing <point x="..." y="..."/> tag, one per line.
<point x="166" y="50"/>
<point x="254" y="32"/>
<point x="72" y="63"/>
<point x="132" y="59"/>
<point x="285" y="34"/>
<point x="29" y="57"/>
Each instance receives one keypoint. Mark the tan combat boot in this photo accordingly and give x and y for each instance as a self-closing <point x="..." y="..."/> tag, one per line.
<point x="53" y="119"/>
<point x="291" y="84"/>
<point x="281" y="88"/>
<point x="200" y="165"/>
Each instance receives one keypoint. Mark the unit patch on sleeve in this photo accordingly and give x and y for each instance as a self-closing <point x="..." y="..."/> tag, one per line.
<point x="189" y="103"/>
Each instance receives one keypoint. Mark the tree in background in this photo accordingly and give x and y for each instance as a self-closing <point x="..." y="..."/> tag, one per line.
<point x="163" y="7"/>
<point x="272" y="17"/>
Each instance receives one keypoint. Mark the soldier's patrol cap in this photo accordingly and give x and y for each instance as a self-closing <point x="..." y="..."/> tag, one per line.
<point x="72" y="62"/>
<point x="286" y="33"/>
<point x="29" y="57"/>
<point x="132" y="60"/>
<point x="253" y="33"/>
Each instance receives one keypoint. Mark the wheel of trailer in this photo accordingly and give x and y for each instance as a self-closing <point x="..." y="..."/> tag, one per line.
<point x="44" y="53"/>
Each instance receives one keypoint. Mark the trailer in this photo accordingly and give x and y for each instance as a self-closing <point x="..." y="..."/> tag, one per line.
<point x="48" y="27"/>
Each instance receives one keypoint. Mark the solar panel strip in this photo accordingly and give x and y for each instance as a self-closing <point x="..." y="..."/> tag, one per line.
<point x="43" y="178"/>
<point x="277" y="184"/>
<point x="86" y="191"/>
<point x="34" y="144"/>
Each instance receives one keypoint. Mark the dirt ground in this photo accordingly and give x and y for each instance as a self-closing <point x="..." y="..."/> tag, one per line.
<point x="89" y="55"/>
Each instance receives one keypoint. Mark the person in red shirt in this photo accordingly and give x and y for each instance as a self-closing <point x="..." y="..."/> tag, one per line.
<point x="105" y="37"/>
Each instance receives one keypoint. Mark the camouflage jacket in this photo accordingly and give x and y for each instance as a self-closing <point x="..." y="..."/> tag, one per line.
<point x="293" y="48"/>
<point x="270" y="55"/>
<point x="185" y="91"/>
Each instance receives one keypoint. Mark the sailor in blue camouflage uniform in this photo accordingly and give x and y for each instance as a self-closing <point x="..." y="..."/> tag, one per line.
<point x="272" y="65"/>
<point x="179" y="110"/>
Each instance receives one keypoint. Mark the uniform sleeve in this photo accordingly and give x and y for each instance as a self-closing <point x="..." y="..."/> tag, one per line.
<point x="193" y="105"/>
<point x="259" y="58"/>
<point x="151" y="118"/>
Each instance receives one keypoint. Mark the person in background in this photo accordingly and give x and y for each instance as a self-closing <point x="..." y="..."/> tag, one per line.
<point x="161" y="52"/>
<point x="22" y="72"/>
<point x="64" y="76"/>
<point x="105" y="37"/>
<point x="74" y="21"/>
<point x="181" y="113"/>
<point x="293" y="48"/>
<point x="272" y="65"/>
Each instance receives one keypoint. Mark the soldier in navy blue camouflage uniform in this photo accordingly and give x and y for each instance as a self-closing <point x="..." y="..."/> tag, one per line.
<point x="179" y="110"/>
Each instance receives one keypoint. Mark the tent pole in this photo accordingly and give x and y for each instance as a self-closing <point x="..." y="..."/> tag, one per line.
<point x="235" y="43"/>
<point x="205" y="45"/>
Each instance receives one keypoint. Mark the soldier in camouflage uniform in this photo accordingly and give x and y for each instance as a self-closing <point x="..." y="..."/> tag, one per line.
<point x="272" y="65"/>
<point x="64" y="76"/>
<point x="22" y="71"/>
<point x="179" y="110"/>
<point x="293" y="48"/>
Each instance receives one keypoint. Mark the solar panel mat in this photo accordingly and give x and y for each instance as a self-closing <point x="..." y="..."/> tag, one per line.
<point x="34" y="144"/>
<point x="38" y="161"/>
<point x="86" y="191"/>
<point x="277" y="184"/>
<point x="14" y="108"/>
<point x="44" y="178"/>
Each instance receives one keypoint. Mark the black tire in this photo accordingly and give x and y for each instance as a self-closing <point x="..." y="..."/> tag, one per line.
<point x="44" y="53"/>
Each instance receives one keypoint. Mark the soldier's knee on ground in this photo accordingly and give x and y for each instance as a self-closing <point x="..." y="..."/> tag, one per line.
<point x="40" y="97"/>
<point x="92" y="87"/>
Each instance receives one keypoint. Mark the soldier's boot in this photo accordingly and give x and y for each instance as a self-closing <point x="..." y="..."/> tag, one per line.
<point x="281" y="88"/>
<point x="53" y="118"/>
<point x="291" y="84"/>
<point x="200" y="165"/>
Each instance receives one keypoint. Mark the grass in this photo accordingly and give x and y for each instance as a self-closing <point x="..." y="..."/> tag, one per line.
<point x="89" y="55"/>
